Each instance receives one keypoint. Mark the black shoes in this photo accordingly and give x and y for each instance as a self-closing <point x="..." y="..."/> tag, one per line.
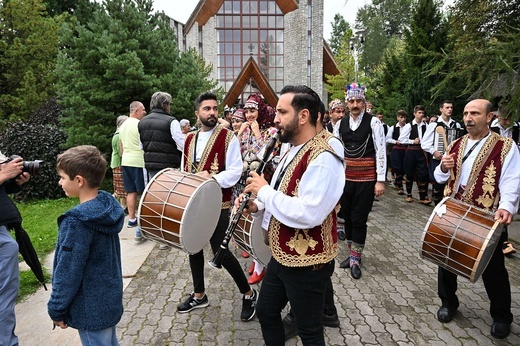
<point x="331" y="321"/>
<point x="445" y="314"/>
<point x="289" y="327"/>
<point x="355" y="271"/>
<point x="345" y="264"/>
<point x="291" y="331"/>
<point x="500" y="330"/>
<point x="341" y="235"/>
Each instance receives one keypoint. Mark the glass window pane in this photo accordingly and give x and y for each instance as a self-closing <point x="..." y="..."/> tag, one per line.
<point x="236" y="7"/>
<point x="236" y="60"/>
<point x="246" y="35"/>
<point x="279" y="35"/>
<point x="228" y="22"/>
<point x="254" y="7"/>
<point x="229" y="60"/>
<point x="236" y="21"/>
<point x="263" y="22"/>
<point x="279" y="74"/>
<point x="279" y="48"/>
<point x="279" y="61"/>
<point x="254" y="22"/>
<point x="272" y="7"/>
<point x="271" y="22"/>
<point x="263" y="7"/>
<point x="246" y="7"/>
<point x="236" y="35"/>
<point x="220" y="21"/>
<point x="246" y="22"/>
<point x="263" y="35"/>
<point x="229" y="48"/>
<point x="279" y="22"/>
<point x="228" y="36"/>
<point x="237" y="48"/>
<point x="254" y="35"/>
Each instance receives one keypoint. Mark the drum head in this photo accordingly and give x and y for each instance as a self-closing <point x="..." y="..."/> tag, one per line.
<point x="260" y="251"/>
<point x="201" y="216"/>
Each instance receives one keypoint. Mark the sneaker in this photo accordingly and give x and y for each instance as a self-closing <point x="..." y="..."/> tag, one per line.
<point x="132" y="224"/>
<point x="163" y="247"/>
<point x="249" y="307"/>
<point x="138" y="239"/>
<point x="193" y="303"/>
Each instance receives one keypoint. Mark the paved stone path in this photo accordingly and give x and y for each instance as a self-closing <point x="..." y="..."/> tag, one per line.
<point x="394" y="303"/>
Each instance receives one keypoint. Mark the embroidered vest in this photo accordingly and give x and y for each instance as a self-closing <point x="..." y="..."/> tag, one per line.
<point x="482" y="186"/>
<point x="303" y="247"/>
<point x="213" y="157"/>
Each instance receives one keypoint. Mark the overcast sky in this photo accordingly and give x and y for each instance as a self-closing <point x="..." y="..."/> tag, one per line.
<point x="181" y="10"/>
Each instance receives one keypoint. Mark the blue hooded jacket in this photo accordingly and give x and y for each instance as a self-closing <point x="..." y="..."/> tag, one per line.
<point x="87" y="281"/>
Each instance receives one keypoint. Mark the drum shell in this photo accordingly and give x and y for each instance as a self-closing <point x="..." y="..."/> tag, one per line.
<point x="249" y="236"/>
<point x="460" y="238"/>
<point x="180" y="209"/>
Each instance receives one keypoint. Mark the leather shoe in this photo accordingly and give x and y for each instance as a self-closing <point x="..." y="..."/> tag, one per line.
<point x="342" y="235"/>
<point x="289" y="327"/>
<point x="251" y="268"/>
<point x="345" y="264"/>
<point x="445" y="314"/>
<point x="331" y="321"/>
<point x="500" y="330"/>
<point x="355" y="271"/>
<point x="256" y="278"/>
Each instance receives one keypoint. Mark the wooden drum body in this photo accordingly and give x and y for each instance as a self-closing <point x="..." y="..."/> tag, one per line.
<point x="180" y="209"/>
<point x="249" y="236"/>
<point x="460" y="238"/>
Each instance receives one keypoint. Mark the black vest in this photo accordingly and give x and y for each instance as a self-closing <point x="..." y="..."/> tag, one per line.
<point x="160" y="150"/>
<point x="354" y="140"/>
<point x="415" y="131"/>
<point x="9" y="212"/>
<point x="396" y="133"/>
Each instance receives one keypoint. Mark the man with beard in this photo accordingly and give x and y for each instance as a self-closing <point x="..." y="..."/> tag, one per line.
<point x="299" y="216"/>
<point x="214" y="152"/>
<point x="365" y="173"/>
<point x="485" y="168"/>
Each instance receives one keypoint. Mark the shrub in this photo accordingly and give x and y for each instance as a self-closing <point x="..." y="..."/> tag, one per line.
<point x="39" y="138"/>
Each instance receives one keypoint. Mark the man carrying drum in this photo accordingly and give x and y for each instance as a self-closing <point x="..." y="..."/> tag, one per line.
<point x="485" y="167"/>
<point x="214" y="152"/>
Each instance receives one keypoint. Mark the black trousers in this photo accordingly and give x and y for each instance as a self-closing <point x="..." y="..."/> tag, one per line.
<point x="356" y="203"/>
<point x="397" y="162"/>
<point x="416" y="164"/>
<point x="438" y="189"/>
<point x="304" y="288"/>
<point x="230" y="263"/>
<point x="496" y="282"/>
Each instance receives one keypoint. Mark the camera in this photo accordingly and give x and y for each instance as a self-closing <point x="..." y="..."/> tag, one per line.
<point x="31" y="167"/>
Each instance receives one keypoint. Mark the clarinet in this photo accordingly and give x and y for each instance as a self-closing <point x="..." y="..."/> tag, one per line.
<point x="216" y="262"/>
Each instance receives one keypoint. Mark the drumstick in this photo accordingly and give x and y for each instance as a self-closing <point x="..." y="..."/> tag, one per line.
<point x="441" y="131"/>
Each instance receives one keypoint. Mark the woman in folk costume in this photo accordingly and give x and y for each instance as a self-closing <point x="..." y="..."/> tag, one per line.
<point x="253" y="135"/>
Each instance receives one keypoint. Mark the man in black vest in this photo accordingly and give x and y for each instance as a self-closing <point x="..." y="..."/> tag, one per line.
<point x="365" y="173"/>
<point x="161" y="136"/>
<point x="398" y="150"/>
<point x="415" y="163"/>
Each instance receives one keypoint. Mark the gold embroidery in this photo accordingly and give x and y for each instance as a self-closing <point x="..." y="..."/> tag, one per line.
<point x="488" y="186"/>
<point x="301" y="242"/>
<point x="207" y="150"/>
<point x="214" y="165"/>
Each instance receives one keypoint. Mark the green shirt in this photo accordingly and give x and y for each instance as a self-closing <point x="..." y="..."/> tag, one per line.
<point x="115" y="160"/>
<point x="133" y="155"/>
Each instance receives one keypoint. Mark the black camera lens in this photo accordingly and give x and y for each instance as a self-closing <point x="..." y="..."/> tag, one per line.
<point x="32" y="167"/>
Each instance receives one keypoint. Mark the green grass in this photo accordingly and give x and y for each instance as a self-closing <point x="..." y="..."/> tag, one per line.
<point x="40" y="222"/>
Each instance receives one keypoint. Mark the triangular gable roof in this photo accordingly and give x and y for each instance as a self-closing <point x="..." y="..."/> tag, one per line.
<point x="208" y="8"/>
<point x="251" y="70"/>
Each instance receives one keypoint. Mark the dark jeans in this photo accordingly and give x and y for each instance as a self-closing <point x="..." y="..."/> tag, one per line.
<point x="305" y="289"/>
<point x="496" y="282"/>
<point x="230" y="263"/>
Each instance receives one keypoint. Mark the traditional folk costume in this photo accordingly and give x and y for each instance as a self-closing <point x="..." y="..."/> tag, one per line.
<point x="396" y="155"/>
<point x="218" y="152"/>
<point x="430" y="144"/>
<point x="301" y="222"/>
<point x="365" y="159"/>
<point x="485" y="171"/>
<point x="415" y="160"/>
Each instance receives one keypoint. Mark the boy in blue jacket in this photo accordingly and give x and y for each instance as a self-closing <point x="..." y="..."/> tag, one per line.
<point x="87" y="280"/>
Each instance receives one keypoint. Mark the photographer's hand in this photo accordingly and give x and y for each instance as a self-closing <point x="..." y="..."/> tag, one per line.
<point x="23" y="178"/>
<point x="10" y="169"/>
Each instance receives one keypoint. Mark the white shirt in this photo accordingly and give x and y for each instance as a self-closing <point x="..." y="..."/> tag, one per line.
<point x="430" y="137"/>
<point x="319" y="191"/>
<point x="234" y="163"/>
<point x="508" y="184"/>
<point x="379" y="139"/>
<point x="335" y="128"/>
<point x="404" y="136"/>
<point x="177" y="135"/>
<point x="389" y="135"/>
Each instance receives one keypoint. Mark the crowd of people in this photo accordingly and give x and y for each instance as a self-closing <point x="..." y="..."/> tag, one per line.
<point x="317" y="188"/>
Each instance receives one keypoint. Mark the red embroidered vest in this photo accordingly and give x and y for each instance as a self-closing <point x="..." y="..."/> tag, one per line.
<point x="303" y="247"/>
<point x="482" y="186"/>
<point x="213" y="158"/>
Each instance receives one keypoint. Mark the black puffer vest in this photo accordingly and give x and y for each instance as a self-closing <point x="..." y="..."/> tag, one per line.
<point x="160" y="150"/>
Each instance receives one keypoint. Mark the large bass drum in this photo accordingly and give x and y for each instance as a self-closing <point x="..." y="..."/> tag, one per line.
<point x="180" y="209"/>
<point x="250" y="237"/>
<point x="460" y="238"/>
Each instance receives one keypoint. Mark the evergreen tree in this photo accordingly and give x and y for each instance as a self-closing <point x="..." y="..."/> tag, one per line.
<point x="340" y="33"/>
<point x="28" y="49"/>
<point x="124" y="53"/>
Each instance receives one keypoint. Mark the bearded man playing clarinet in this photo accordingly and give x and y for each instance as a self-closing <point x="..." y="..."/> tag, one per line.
<point x="485" y="167"/>
<point x="298" y="212"/>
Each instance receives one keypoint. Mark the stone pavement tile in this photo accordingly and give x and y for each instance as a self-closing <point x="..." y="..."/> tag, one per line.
<point x="394" y="303"/>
